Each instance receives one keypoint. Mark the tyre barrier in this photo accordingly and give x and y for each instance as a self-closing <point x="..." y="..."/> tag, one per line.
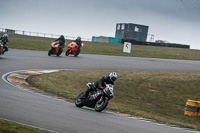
<point x="192" y="108"/>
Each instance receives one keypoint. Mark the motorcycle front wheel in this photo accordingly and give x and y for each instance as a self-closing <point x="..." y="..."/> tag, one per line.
<point x="1" y="49"/>
<point x="67" y="52"/>
<point x="80" y="101"/>
<point x="51" y="51"/>
<point x="101" y="104"/>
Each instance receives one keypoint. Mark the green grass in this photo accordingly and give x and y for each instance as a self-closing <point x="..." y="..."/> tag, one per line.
<point x="43" y="44"/>
<point x="156" y="95"/>
<point x="10" y="127"/>
<point x="160" y="96"/>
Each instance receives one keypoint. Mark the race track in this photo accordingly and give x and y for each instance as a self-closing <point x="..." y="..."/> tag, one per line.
<point x="44" y="112"/>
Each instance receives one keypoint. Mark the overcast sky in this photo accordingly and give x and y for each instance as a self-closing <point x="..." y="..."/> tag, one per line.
<point x="177" y="21"/>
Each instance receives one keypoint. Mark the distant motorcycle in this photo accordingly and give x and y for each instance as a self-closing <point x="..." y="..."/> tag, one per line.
<point x="1" y="48"/>
<point x="97" y="99"/>
<point x="55" y="49"/>
<point x="72" y="49"/>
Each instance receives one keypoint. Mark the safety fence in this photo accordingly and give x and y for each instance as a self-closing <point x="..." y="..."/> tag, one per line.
<point x="29" y="33"/>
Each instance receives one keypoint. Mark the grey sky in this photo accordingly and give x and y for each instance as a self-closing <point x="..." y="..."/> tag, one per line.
<point x="176" y="21"/>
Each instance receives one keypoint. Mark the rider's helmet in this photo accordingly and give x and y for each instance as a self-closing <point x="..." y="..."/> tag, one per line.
<point x="5" y="35"/>
<point x="62" y="37"/>
<point x="113" y="76"/>
<point x="78" y="38"/>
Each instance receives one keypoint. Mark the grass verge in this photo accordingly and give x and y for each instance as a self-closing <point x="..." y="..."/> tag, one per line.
<point x="43" y="44"/>
<point x="160" y="96"/>
<point x="10" y="127"/>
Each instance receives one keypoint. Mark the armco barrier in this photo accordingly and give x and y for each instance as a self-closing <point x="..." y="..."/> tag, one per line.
<point x="192" y="108"/>
<point x="30" y="33"/>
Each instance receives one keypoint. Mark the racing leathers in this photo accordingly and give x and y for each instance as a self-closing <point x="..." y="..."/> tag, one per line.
<point x="99" y="84"/>
<point x="78" y="42"/>
<point x="61" y="40"/>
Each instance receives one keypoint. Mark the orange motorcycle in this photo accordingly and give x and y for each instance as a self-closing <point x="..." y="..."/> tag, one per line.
<point x="55" y="49"/>
<point x="72" y="49"/>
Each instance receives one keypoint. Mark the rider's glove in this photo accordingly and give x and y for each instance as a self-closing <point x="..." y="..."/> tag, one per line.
<point x="92" y="86"/>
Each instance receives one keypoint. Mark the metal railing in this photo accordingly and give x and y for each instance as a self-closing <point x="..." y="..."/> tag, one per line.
<point x="47" y="35"/>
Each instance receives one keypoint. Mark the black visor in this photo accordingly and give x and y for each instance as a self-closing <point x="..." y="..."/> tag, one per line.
<point x="113" y="78"/>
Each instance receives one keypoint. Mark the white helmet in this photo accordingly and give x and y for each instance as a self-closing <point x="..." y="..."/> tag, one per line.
<point x="113" y="76"/>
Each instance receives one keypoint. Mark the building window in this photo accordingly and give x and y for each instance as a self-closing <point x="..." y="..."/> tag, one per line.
<point x="122" y="28"/>
<point x="136" y="29"/>
<point x="118" y="27"/>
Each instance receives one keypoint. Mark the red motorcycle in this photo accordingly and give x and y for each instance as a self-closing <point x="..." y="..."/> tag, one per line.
<point x="72" y="49"/>
<point x="55" y="49"/>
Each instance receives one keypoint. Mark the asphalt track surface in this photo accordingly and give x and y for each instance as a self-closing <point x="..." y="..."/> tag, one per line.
<point x="44" y="112"/>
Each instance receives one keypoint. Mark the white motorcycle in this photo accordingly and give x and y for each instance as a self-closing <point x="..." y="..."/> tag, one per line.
<point x="97" y="99"/>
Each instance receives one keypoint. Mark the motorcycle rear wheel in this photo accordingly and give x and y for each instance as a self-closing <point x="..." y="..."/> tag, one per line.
<point x="79" y="101"/>
<point x="59" y="53"/>
<point x="77" y="53"/>
<point x="101" y="104"/>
